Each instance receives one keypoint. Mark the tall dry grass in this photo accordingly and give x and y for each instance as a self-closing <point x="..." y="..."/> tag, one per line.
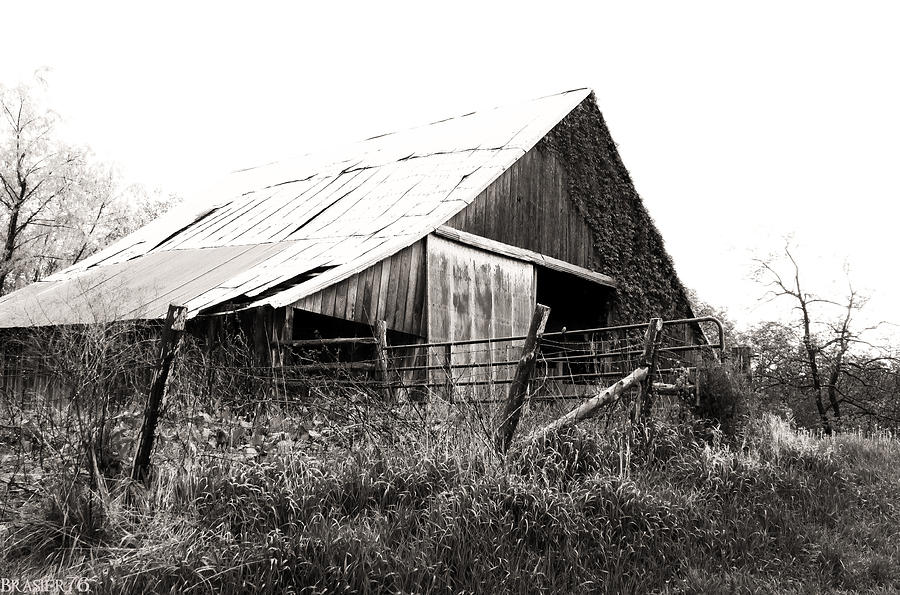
<point x="775" y="510"/>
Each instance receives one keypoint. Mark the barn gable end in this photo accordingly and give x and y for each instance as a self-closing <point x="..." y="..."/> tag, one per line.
<point x="626" y="242"/>
<point x="571" y="197"/>
<point x="528" y="206"/>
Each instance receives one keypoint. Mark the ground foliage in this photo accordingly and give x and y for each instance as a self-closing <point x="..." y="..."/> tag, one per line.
<point x="774" y="510"/>
<point x="627" y="244"/>
<point x="347" y="493"/>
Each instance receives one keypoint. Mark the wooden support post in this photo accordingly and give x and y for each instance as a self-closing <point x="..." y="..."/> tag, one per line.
<point x="518" y="389"/>
<point x="448" y="372"/>
<point x="265" y="350"/>
<point x="644" y="402"/>
<point x="281" y="336"/>
<point x="168" y="349"/>
<point x="380" y="332"/>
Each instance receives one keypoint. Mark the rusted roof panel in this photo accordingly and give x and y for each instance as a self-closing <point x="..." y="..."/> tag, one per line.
<point x="136" y="289"/>
<point x="255" y="236"/>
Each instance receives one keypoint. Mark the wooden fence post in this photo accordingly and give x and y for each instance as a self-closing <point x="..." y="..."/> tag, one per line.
<point x="740" y="358"/>
<point x="380" y="328"/>
<point x="518" y="389"/>
<point x="171" y="340"/>
<point x="448" y="372"/>
<point x="644" y="400"/>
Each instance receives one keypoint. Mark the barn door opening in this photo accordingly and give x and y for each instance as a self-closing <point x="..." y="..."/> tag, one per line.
<point x="575" y="302"/>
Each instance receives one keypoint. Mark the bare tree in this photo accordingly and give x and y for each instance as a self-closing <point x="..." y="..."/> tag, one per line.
<point x="812" y="356"/>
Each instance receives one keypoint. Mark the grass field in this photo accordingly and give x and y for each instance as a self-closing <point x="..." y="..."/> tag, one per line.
<point x="680" y="511"/>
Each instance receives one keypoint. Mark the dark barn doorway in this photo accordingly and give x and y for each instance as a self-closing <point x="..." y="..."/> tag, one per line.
<point x="575" y="303"/>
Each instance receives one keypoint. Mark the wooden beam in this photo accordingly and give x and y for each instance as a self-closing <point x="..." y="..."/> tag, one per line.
<point x="537" y="258"/>
<point x="592" y="406"/>
<point x="334" y="341"/>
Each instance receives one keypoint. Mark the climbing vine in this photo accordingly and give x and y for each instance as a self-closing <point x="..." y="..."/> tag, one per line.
<point x="627" y="244"/>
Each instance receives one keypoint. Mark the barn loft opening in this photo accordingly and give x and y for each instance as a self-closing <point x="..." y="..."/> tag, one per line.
<point x="311" y="325"/>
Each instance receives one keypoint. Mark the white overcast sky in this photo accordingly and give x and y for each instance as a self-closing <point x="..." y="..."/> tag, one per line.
<point x="740" y="123"/>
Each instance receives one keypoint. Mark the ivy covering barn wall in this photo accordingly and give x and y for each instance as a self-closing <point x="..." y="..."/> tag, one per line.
<point x="627" y="244"/>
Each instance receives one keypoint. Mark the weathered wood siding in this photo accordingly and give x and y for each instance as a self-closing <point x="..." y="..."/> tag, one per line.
<point x="529" y="206"/>
<point x="474" y="294"/>
<point x="392" y="290"/>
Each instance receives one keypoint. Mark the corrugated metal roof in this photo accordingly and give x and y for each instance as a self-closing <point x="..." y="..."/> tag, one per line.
<point x="276" y="233"/>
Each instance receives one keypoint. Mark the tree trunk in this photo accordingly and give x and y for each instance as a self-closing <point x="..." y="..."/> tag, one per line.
<point x="814" y="372"/>
<point x="832" y="391"/>
<point x="9" y="245"/>
<point x="834" y="377"/>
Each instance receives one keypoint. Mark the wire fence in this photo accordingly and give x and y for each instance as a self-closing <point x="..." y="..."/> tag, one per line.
<point x="569" y="363"/>
<point x="61" y="394"/>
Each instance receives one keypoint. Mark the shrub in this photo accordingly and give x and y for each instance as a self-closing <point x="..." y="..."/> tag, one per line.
<point x="724" y="397"/>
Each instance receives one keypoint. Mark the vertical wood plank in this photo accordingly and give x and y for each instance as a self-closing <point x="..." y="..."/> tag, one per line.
<point x="424" y="305"/>
<point x="383" y="289"/>
<point x="390" y="303"/>
<point x="478" y="221"/>
<point x="340" y="298"/>
<point x="350" y="307"/>
<point x="365" y="296"/>
<point x="328" y="300"/>
<point x="315" y="302"/>
<point x="514" y="205"/>
<point x="412" y="293"/>
<point x="399" y="310"/>
<point x="374" y="297"/>
<point x="533" y="225"/>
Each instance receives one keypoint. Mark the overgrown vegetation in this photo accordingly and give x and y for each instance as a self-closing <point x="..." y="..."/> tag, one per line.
<point x="627" y="244"/>
<point x="361" y="498"/>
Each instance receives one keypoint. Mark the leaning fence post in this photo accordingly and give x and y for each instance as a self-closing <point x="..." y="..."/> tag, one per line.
<point x="171" y="339"/>
<point x="518" y="389"/>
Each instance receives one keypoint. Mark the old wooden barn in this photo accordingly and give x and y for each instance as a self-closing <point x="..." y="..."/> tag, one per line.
<point x="449" y="231"/>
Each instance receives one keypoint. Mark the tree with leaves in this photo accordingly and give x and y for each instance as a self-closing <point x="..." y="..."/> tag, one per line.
<point x="57" y="204"/>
